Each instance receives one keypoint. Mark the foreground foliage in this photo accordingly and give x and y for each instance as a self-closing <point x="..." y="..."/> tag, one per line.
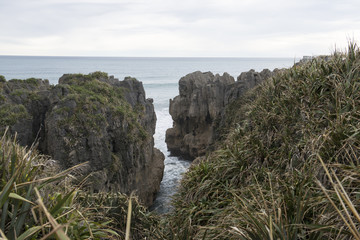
<point x="289" y="167"/>
<point x="38" y="201"/>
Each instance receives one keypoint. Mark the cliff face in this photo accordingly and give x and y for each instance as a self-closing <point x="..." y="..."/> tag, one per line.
<point x="194" y="111"/>
<point x="92" y="118"/>
<point x="202" y="99"/>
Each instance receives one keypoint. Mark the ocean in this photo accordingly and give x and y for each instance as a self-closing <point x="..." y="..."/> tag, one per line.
<point x="160" y="78"/>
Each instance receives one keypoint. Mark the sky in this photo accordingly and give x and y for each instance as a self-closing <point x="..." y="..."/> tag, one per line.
<point x="177" y="28"/>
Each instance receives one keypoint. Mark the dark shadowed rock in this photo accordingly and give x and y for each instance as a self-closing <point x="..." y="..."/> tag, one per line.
<point x="93" y="118"/>
<point x="23" y="107"/>
<point x="201" y="101"/>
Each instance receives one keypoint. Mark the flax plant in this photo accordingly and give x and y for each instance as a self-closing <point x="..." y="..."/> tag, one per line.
<point x="34" y="203"/>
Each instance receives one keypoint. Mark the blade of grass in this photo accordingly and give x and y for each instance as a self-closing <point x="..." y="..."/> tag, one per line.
<point x="59" y="231"/>
<point x="87" y="223"/>
<point x="6" y="190"/>
<point x="60" y="204"/>
<point x="349" y="219"/>
<point x="271" y="229"/>
<point x="350" y="226"/>
<point x="17" y="197"/>
<point x="128" y="219"/>
<point x="24" y="211"/>
<point x="28" y="233"/>
<point x="53" y="178"/>
<point x="4" y="215"/>
<point x="347" y="199"/>
<point x="2" y="235"/>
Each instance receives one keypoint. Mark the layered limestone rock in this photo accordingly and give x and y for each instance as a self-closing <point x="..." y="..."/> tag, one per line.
<point x="194" y="111"/>
<point x="202" y="99"/>
<point x="246" y="81"/>
<point x="90" y="118"/>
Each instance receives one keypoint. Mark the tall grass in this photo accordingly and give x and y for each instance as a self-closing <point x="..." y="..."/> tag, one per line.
<point x="34" y="203"/>
<point x="38" y="201"/>
<point x="266" y="180"/>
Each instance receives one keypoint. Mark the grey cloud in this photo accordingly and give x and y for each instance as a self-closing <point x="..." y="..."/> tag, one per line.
<point x="223" y="23"/>
<point x="43" y="18"/>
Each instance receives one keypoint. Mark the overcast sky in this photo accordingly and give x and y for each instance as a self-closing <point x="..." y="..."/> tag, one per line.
<point x="175" y="28"/>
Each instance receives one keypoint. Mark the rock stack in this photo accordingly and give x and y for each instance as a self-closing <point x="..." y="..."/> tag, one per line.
<point x="201" y="101"/>
<point x="89" y="118"/>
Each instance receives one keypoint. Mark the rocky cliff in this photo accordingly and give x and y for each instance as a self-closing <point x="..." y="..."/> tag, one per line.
<point x="93" y="118"/>
<point x="201" y="101"/>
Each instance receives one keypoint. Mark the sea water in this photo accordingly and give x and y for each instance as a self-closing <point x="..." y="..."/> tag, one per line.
<point x="160" y="78"/>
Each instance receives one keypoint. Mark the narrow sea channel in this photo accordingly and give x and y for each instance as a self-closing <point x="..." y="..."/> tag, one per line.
<point x="160" y="78"/>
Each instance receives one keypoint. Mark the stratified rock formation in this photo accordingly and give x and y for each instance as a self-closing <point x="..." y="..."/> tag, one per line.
<point x="202" y="99"/>
<point x="194" y="111"/>
<point x="93" y="118"/>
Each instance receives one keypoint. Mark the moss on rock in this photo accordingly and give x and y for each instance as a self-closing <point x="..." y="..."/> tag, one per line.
<point x="10" y="114"/>
<point x="95" y="99"/>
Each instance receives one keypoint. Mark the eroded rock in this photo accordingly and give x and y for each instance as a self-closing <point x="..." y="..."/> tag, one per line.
<point x="202" y="99"/>
<point x="93" y="118"/>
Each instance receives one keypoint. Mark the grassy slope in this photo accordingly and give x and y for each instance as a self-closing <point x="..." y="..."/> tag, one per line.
<point x="265" y="181"/>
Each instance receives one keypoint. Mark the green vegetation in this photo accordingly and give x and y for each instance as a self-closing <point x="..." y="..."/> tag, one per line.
<point x="38" y="201"/>
<point x="266" y="180"/>
<point x="79" y="77"/>
<point x="11" y="113"/>
<point x="32" y="81"/>
<point x="2" y="78"/>
<point x="25" y="94"/>
<point x="94" y="99"/>
<point x="24" y="90"/>
<point x="19" y="92"/>
<point x="99" y="75"/>
<point x="34" y="96"/>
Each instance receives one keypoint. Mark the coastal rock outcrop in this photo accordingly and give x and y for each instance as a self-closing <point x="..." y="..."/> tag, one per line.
<point x="194" y="111"/>
<point x="201" y="101"/>
<point x="89" y="118"/>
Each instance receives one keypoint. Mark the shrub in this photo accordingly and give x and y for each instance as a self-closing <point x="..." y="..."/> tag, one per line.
<point x="11" y="113"/>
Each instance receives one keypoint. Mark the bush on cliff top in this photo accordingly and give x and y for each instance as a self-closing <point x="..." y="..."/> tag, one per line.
<point x="289" y="167"/>
<point x="11" y="113"/>
<point x="95" y="97"/>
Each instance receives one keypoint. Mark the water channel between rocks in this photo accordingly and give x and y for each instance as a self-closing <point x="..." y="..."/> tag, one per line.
<point x="160" y="77"/>
<point x="174" y="166"/>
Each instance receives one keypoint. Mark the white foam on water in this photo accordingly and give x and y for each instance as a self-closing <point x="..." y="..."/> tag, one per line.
<point x="174" y="166"/>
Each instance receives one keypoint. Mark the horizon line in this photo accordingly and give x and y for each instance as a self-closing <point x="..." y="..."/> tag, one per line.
<point x="74" y="56"/>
